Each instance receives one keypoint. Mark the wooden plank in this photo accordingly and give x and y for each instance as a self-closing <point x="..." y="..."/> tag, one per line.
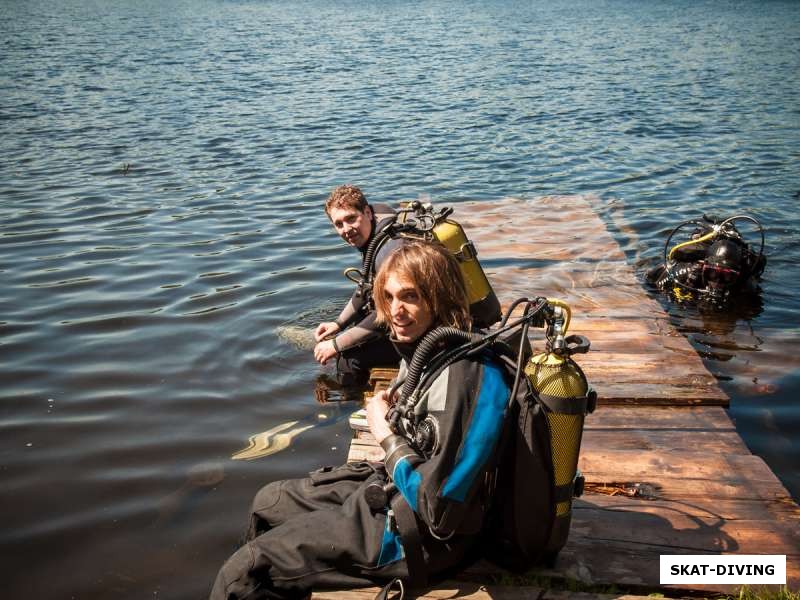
<point x="677" y="419"/>
<point x="475" y="591"/>
<point x="779" y="510"/>
<point x="633" y="465"/>
<point x="685" y="534"/>
<point x="655" y="395"/>
<point x="634" y="565"/>
<point x="681" y="475"/>
<point x="567" y="595"/>
<point x="665" y="428"/>
<point x="642" y="439"/>
<point x="451" y="589"/>
<point x="361" y="450"/>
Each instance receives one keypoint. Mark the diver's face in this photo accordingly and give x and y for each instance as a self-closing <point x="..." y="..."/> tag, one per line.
<point x="354" y="226"/>
<point x="719" y="280"/>
<point x="409" y="313"/>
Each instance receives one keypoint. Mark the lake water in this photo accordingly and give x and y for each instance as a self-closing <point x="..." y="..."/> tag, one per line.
<point x="163" y="170"/>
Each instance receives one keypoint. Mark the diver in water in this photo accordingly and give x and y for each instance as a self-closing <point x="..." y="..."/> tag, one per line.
<point x="332" y="529"/>
<point x="713" y="265"/>
<point x="354" y="339"/>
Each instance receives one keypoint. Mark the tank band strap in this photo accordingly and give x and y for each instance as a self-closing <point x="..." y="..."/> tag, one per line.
<point x="411" y="540"/>
<point x="564" y="493"/>
<point x="575" y="405"/>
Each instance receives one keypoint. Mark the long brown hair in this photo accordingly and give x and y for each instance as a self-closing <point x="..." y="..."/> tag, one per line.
<point x="438" y="279"/>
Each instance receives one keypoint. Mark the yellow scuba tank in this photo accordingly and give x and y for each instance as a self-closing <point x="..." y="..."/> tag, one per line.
<point x="483" y="303"/>
<point x="431" y="225"/>
<point x="567" y="397"/>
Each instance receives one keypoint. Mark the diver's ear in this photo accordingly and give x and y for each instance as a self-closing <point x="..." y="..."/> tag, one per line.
<point x="368" y="212"/>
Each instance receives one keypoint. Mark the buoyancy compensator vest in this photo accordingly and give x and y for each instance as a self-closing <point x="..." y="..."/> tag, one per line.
<point x="415" y="220"/>
<point x="535" y="465"/>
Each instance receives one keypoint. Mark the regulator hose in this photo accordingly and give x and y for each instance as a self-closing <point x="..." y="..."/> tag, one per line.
<point x="699" y="240"/>
<point x="715" y="230"/>
<point x="372" y="250"/>
<point x="520" y="353"/>
<point x="422" y="368"/>
<point x="701" y="224"/>
<point x="426" y="348"/>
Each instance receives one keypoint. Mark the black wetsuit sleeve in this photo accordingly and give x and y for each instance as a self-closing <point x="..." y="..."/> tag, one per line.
<point x="363" y="331"/>
<point x="448" y="489"/>
<point x="352" y="312"/>
<point x="356" y="309"/>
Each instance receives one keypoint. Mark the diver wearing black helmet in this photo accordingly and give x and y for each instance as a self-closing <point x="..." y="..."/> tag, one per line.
<point x="714" y="264"/>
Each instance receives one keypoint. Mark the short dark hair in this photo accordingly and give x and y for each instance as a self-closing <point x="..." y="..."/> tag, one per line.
<point x="346" y="196"/>
<point x="435" y="273"/>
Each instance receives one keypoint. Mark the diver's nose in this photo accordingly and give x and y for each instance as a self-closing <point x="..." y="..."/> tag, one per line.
<point x="396" y="308"/>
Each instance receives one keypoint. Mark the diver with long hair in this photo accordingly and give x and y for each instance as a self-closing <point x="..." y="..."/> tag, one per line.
<point x="333" y="528"/>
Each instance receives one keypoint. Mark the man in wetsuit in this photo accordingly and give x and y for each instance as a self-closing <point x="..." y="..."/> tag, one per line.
<point x="365" y="344"/>
<point x="329" y="530"/>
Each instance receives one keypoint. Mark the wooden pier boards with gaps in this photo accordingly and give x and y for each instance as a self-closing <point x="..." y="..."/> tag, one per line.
<point x="666" y="471"/>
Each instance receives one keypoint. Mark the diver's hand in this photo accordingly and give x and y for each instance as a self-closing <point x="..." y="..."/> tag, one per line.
<point x="377" y="407"/>
<point x="324" y="351"/>
<point x="325" y="329"/>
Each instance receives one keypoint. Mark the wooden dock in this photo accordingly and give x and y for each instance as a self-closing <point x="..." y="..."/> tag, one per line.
<point x="666" y="471"/>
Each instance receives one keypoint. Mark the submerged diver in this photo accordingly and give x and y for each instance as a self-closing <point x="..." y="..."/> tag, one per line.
<point x="715" y="264"/>
<point x="355" y="339"/>
<point x="328" y="530"/>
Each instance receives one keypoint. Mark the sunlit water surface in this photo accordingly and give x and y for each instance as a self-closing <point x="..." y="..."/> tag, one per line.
<point x="164" y="167"/>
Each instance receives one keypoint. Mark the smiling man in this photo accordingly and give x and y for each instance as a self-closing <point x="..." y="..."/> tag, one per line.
<point x="423" y="509"/>
<point x="354" y="339"/>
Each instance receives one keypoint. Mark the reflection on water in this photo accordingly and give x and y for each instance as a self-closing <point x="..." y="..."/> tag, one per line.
<point x="164" y="251"/>
<point x="272" y="441"/>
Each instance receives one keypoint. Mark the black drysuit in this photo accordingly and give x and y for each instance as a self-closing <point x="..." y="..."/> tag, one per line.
<point x="319" y="532"/>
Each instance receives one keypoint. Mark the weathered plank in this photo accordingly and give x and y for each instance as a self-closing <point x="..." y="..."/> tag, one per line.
<point x="669" y="527"/>
<point x="642" y="439"/>
<point x="664" y="428"/>
<point x="634" y="565"/>
<point x="727" y="509"/>
<point x="465" y="590"/>
<point x="657" y="394"/>
<point x="451" y="589"/>
<point x="691" y="464"/>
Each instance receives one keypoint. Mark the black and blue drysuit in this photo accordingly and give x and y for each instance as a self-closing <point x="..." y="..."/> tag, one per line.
<point x="320" y="532"/>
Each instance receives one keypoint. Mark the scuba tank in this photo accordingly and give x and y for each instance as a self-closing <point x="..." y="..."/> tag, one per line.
<point x="483" y="303"/>
<point x="416" y="220"/>
<point x="535" y="474"/>
<point x="565" y="393"/>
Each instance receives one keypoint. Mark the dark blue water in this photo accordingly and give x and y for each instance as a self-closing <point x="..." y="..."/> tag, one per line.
<point x="163" y="170"/>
